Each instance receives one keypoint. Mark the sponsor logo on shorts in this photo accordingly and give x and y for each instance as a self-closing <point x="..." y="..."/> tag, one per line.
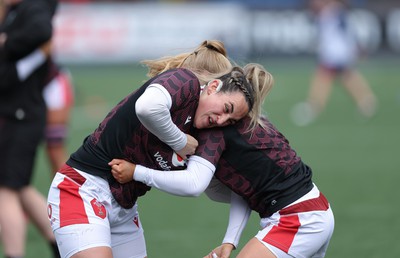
<point x="98" y="209"/>
<point x="136" y="221"/>
<point x="50" y="214"/>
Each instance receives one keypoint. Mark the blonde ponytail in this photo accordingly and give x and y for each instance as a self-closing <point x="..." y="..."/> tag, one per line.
<point x="262" y="82"/>
<point x="208" y="61"/>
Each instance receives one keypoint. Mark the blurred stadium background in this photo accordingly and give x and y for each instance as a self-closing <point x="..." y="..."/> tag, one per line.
<point x="354" y="160"/>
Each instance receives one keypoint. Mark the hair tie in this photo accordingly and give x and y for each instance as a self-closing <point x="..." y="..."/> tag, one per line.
<point x="211" y="47"/>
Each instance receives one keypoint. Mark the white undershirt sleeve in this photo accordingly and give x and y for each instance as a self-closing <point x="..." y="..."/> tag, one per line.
<point x="239" y="215"/>
<point x="28" y="64"/>
<point x="153" y="110"/>
<point x="190" y="182"/>
<point x="218" y="192"/>
<point x="239" y="212"/>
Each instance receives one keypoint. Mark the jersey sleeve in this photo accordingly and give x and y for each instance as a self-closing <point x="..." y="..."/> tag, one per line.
<point x="30" y="63"/>
<point x="211" y="144"/>
<point x="12" y="73"/>
<point x="173" y="94"/>
<point x="153" y="111"/>
<point x="183" y="87"/>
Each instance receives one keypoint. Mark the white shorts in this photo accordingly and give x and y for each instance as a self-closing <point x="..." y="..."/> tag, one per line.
<point x="302" y="229"/>
<point x="59" y="92"/>
<point x="83" y="214"/>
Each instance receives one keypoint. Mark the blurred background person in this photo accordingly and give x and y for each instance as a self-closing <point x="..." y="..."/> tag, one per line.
<point x="25" y="33"/>
<point x="59" y="98"/>
<point x="338" y="51"/>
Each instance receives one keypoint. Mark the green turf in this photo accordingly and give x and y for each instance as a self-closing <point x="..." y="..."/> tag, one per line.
<point x="355" y="162"/>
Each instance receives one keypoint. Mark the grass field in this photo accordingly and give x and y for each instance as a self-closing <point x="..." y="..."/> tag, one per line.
<point x="355" y="162"/>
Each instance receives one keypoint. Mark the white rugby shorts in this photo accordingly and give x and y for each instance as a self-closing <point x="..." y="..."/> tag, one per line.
<point x="302" y="229"/>
<point x="59" y="93"/>
<point x="83" y="214"/>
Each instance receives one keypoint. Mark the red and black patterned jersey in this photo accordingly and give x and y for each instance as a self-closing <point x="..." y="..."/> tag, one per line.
<point x="121" y="135"/>
<point x="260" y="166"/>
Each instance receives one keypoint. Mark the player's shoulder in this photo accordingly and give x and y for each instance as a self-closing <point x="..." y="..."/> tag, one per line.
<point x="181" y="74"/>
<point x="179" y="79"/>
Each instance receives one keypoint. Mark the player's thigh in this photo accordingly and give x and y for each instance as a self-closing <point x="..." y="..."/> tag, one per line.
<point x="84" y="240"/>
<point x="135" y="248"/>
<point x="78" y="211"/>
<point x="95" y="252"/>
<point x="257" y="249"/>
<point x="127" y="235"/>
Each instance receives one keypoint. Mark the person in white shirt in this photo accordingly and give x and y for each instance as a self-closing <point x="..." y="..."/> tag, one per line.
<point x="338" y="52"/>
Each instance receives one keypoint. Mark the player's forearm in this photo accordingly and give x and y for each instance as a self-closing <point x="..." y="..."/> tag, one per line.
<point x="238" y="217"/>
<point x="190" y="182"/>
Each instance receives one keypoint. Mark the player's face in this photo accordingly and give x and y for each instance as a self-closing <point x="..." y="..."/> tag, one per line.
<point x="219" y="109"/>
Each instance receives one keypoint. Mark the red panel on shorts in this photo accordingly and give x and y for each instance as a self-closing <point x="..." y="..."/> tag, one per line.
<point x="72" y="210"/>
<point x="317" y="204"/>
<point x="282" y="236"/>
<point x="71" y="173"/>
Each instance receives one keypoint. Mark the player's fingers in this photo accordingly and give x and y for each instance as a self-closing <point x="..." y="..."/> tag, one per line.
<point x="116" y="175"/>
<point x="208" y="256"/>
<point x="116" y="168"/>
<point x="114" y="162"/>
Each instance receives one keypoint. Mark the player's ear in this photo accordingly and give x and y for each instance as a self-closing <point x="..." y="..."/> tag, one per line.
<point x="214" y="86"/>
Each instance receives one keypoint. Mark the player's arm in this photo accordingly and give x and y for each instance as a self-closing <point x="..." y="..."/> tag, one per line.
<point x="218" y="192"/>
<point x="239" y="215"/>
<point x="13" y="73"/>
<point x="190" y="182"/>
<point x="153" y="111"/>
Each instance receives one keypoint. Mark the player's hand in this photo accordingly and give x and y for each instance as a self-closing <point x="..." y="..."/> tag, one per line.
<point x="211" y="255"/>
<point x="190" y="147"/>
<point x="46" y="48"/>
<point x="122" y="170"/>
<point x="222" y="251"/>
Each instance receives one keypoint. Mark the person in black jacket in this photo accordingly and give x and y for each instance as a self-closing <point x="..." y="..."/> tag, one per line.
<point x="25" y="31"/>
